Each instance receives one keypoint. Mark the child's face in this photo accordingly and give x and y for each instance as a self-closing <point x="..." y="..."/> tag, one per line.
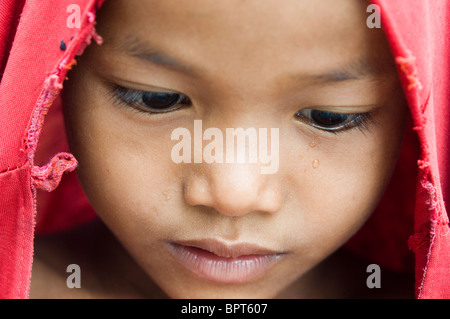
<point x="312" y="69"/>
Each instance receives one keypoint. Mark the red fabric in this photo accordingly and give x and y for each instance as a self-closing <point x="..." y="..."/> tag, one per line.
<point x="16" y="235"/>
<point x="419" y="34"/>
<point x="409" y="229"/>
<point x="33" y="68"/>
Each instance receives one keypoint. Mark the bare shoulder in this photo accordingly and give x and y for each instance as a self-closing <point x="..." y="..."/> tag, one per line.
<point x="78" y="264"/>
<point x="344" y="275"/>
<point x="54" y="255"/>
<point x="49" y="281"/>
<point x="378" y="282"/>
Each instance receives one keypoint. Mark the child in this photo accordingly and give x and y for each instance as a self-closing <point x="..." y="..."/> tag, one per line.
<point x="162" y="118"/>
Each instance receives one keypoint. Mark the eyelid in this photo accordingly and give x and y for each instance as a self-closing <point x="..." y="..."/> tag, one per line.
<point x="345" y="109"/>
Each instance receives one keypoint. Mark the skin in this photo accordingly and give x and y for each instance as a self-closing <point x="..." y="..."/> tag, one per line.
<point x="252" y="64"/>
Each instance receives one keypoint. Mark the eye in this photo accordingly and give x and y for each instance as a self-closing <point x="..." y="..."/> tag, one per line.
<point x="150" y="102"/>
<point x="333" y="122"/>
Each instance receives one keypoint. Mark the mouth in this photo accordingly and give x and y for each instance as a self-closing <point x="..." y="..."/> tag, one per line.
<point x="223" y="263"/>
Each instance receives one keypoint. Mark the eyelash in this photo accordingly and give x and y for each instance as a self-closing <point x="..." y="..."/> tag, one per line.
<point x="133" y="98"/>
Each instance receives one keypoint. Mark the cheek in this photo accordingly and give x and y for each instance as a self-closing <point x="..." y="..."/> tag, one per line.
<point x="336" y="183"/>
<point x="125" y="170"/>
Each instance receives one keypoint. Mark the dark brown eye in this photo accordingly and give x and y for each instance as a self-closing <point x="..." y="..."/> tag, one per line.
<point x="151" y="102"/>
<point x="328" y="119"/>
<point x="331" y="121"/>
<point x="161" y="101"/>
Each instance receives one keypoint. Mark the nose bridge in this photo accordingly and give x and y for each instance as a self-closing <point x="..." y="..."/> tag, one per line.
<point x="234" y="167"/>
<point x="233" y="189"/>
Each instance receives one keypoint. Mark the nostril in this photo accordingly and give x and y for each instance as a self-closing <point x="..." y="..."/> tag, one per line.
<point x="196" y="193"/>
<point x="233" y="189"/>
<point x="232" y="200"/>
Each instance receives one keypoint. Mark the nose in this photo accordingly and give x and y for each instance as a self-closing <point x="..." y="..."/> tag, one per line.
<point x="234" y="189"/>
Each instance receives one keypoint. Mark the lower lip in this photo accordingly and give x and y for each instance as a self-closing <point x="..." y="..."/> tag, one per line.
<point x="222" y="269"/>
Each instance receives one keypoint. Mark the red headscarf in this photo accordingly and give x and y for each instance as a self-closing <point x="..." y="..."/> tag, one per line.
<point x="39" y="41"/>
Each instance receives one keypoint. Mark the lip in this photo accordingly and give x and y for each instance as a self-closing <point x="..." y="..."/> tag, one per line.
<point x="224" y="263"/>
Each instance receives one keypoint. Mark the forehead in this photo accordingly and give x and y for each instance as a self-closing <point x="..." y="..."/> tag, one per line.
<point x="249" y="36"/>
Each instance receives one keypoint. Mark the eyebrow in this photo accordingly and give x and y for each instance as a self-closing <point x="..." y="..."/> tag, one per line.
<point x="134" y="47"/>
<point x="357" y="70"/>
